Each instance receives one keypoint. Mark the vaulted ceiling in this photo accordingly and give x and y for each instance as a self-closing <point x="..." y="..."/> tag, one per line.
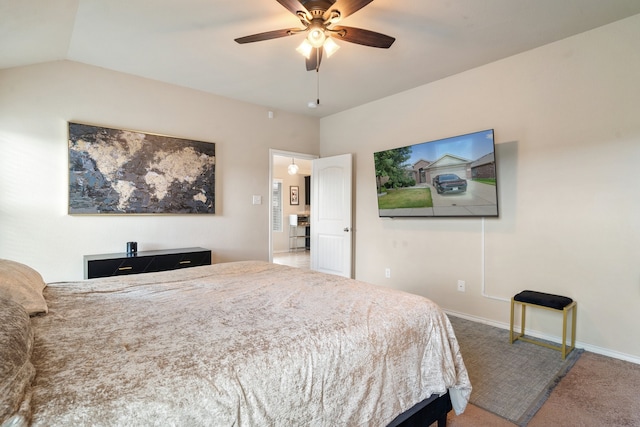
<point x="191" y="43"/>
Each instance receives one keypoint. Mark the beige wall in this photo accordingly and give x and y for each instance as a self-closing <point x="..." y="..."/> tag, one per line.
<point x="35" y="104"/>
<point x="567" y="124"/>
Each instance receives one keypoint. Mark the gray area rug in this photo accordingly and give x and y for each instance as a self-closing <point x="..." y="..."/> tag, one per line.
<point x="509" y="380"/>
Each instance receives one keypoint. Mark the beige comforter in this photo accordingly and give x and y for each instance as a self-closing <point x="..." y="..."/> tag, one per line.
<point x="238" y="344"/>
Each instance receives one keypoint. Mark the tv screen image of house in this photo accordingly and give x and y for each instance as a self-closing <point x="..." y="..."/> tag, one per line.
<point x="451" y="177"/>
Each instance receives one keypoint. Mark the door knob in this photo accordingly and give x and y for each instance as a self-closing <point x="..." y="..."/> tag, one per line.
<point x="346" y="229"/>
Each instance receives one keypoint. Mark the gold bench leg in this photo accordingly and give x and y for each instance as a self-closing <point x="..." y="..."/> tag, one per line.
<point x="573" y="325"/>
<point x="564" y="333"/>
<point x="574" y="313"/>
<point x="511" y="321"/>
<point x="523" y="307"/>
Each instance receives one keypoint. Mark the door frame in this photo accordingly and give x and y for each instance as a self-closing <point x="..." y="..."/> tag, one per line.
<point x="275" y="152"/>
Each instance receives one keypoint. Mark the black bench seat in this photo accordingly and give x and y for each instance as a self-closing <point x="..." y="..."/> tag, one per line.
<point x="556" y="302"/>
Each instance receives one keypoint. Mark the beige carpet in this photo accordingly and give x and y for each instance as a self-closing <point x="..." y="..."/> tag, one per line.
<point x="597" y="391"/>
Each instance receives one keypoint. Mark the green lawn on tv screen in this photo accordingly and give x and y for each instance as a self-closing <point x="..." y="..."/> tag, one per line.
<point x="406" y="198"/>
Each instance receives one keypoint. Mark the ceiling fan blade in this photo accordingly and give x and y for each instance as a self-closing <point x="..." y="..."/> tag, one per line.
<point x="363" y="37"/>
<point x="268" y="35"/>
<point x="347" y="7"/>
<point x="313" y="63"/>
<point x="293" y="6"/>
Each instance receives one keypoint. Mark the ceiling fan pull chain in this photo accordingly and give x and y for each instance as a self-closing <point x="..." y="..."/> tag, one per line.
<point x="318" y="86"/>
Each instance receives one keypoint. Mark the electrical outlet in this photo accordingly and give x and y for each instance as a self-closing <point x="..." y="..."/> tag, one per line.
<point x="387" y="273"/>
<point x="461" y="285"/>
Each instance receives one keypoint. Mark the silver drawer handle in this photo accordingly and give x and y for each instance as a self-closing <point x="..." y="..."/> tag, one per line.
<point x="125" y="268"/>
<point x="185" y="262"/>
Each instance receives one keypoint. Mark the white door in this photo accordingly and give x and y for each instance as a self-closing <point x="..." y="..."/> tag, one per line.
<point x="331" y="240"/>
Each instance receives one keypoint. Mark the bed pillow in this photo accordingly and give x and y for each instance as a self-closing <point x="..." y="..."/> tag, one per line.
<point x="22" y="284"/>
<point x="16" y="369"/>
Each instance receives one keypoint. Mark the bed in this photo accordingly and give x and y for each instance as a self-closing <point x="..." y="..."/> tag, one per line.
<point x="235" y="344"/>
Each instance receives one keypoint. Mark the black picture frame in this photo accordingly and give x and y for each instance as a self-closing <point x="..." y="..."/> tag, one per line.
<point x="117" y="171"/>
<point x="294" y="195"/>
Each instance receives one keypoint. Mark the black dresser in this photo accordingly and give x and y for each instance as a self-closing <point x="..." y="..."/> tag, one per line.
<point x="105" y="265"/>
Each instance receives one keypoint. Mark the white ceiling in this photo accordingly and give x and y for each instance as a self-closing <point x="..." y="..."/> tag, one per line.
<point x="190" y="43"/>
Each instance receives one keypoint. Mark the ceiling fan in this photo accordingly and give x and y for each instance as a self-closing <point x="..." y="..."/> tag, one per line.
<point x="319" y="19"/>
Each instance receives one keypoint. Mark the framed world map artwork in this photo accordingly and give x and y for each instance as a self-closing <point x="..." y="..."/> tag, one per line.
<point x="114" y="171"/>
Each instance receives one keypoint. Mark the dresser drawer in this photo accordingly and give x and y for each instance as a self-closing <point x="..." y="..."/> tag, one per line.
<point x="107" y="265"/>
<point x="181" y="260"/>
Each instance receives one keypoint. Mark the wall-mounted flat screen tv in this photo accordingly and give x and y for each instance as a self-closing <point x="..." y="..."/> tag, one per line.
<point x="451" y="177"/>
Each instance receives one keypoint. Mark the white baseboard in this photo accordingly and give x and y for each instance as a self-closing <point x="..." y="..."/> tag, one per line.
<point x="587" y="347"/>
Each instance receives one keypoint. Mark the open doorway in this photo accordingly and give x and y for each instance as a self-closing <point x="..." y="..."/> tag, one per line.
<point x="289" y="208"/>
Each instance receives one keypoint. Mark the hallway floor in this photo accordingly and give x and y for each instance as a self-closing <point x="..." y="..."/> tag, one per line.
<point x="300" y="259"/>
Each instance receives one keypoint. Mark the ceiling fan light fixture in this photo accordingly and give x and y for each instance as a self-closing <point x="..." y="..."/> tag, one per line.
<point x="305" y="49"/>
<point x="330" y="47"/>
<point x="316" y="35"/>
